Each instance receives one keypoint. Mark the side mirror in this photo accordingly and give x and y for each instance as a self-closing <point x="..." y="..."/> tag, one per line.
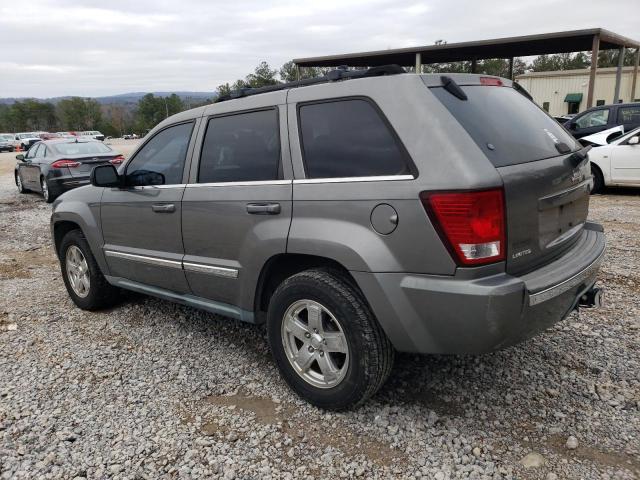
<point x="20" y="157"/>
<point x="573" y="125"/>
<point x="633" y="140"/>
<point x="105" y="176"/>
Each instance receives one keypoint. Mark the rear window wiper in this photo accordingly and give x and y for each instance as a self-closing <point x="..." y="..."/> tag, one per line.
<point x="452" y="87"/>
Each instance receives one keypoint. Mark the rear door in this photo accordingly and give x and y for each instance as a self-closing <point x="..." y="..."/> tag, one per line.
<point x="237" y="205"/>
<point x="30" y="170"/>
<point x="545" y="173"/>
<point x="629" y="117"/>
<point x="141" y="223"/>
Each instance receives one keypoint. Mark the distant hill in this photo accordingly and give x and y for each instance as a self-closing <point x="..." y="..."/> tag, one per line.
<point x="123" y="98"/>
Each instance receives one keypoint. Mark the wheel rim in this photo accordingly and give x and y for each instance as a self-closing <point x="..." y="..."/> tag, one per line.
<point x="19" y="182"/>
<point x="77" y="271"/>
<point x="45" y="189"/>
<point x="315" y="344"/>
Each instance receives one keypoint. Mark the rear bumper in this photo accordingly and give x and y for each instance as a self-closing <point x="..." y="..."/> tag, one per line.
<point x="435" y="314"/>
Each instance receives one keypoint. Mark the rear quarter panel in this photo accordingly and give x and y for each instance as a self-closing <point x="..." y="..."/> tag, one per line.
<point x="333" y="219"/>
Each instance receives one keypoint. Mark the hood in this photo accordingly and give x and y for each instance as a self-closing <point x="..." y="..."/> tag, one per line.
<point x="604" y="137"/>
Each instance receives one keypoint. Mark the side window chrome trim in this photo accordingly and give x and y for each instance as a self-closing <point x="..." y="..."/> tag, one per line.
<point x="151" y="187"/>
<point x="382" y="178"/>
<point x="254" y="183"/>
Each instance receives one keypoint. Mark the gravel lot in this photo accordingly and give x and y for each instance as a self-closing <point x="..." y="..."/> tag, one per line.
<point x="154" y="390"/>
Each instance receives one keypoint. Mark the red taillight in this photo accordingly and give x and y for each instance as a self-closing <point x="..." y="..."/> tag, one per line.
<point x="118" y="160"/>
<point x="65" y="164"/>
<point x="491" y="82"/>
<point x="472" y="223"/>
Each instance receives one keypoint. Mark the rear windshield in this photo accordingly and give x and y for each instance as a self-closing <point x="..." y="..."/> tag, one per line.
<point x="81" y="148"/>
<point x="508" y="127"/>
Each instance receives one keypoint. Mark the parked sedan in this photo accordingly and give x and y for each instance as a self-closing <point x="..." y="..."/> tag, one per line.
<point x="7" y="142"/>
<point x="55" y="166"/>
<point x="618" y="163"/>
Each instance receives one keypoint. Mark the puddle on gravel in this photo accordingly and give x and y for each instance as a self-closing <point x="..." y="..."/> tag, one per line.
<point x="19" y="264"/>
<point x="267" y="411"/>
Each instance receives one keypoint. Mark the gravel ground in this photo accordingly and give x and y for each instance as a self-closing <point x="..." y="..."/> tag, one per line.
<point x="154" y="390"/>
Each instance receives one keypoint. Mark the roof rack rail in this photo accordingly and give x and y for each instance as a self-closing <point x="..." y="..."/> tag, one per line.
<point x="341" y="73"/>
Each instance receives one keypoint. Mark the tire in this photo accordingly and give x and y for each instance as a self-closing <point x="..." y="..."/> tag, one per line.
<point x="598" y="180"/>
<point x="47" y="194"/>
<point x="99" y="293"/>
<point x="19" y="184"/>
<point x="357" y="372"/>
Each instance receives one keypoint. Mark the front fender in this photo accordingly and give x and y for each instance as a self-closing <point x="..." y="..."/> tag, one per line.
<point x="82" y="207"/>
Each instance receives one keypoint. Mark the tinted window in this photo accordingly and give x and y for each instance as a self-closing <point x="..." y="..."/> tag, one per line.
<point x="77" y="148"/>
<point x="348" y="138"/>
<point x="241" y="148"/>
<point x="33" y="150"/>
<point x="627" y="115"/>
<point x="508" y="127"/>
<point x="164" y="154"/>
<point x="597" y="118"/>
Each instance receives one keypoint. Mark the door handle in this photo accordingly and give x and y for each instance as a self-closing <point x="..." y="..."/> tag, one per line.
<point x="164" y="208"/>
<point x="263" y="208"/>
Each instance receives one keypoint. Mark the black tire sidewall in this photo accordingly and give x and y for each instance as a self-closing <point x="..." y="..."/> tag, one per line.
<point x="598" y="180"/>
<point x="354" y="384"/>
<point x="92" y="300"/>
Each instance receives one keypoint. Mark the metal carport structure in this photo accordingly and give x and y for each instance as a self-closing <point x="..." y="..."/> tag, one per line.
<point x="594" y="40"/>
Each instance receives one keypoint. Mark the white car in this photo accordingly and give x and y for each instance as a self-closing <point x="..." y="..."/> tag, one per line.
<point x="618" y="163"/>
<point x="26" y="139"/>
<point x="95" y="134"/>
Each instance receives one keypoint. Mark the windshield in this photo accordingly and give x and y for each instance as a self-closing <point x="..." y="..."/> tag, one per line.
<point x="6" y="137"/>
<point x="82" y="148"/>
<point x="508" y="127"/>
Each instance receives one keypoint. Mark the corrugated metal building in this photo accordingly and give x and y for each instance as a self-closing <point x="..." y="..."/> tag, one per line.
<point x="564" y="92"/>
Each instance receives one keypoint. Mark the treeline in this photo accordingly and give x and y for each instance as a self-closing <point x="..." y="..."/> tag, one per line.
<point x="79" y="114"/>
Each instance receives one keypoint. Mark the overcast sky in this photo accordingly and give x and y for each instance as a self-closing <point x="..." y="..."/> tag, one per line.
<point x="103" y="47"/>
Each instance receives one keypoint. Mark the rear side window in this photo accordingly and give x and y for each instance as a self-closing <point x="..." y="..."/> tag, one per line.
<point x="627" y="115"/>
<point x="508" y="127"/>
<point x="348" y="138"/>
<point x="242" y="147"/>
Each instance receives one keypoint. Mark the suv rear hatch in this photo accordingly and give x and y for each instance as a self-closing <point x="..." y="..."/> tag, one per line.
<point x="545" y="172"/>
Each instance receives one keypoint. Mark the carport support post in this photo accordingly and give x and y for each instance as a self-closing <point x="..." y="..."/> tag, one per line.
<point x="594" y="67"/>
<point x="474" y="65"/>
<point x="635" y="74"/>
<point x="418" y="62"/>
<point x="511" y="68"/>
<point x="616" y="95"/>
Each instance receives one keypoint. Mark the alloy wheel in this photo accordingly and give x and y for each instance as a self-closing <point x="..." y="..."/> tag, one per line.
<point x="45" y="189"/>
<point x="77" y="271"/>
<point x="315" y="344"/>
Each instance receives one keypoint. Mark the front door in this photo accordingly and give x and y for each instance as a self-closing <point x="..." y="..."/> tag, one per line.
<point x="590" y="123"/>
<point x="625" y="163"/>
<point x="237" y="206"/>
<point x="141" y="222"/>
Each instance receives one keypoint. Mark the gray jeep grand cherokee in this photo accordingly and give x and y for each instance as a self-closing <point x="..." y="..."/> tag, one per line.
<point x="357" y="214"/>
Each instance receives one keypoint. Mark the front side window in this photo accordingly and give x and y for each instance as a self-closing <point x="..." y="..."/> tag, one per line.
<point x="242" y="147"/>
<point x="596" y="118"/>
<point x="629" y="115"/>
<point x="161" y="159"/>
<point x="348" y="138"/>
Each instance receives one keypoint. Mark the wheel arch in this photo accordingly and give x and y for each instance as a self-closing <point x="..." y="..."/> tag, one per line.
<point x="602" y="166"/>
<point x="281" y="266"/>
